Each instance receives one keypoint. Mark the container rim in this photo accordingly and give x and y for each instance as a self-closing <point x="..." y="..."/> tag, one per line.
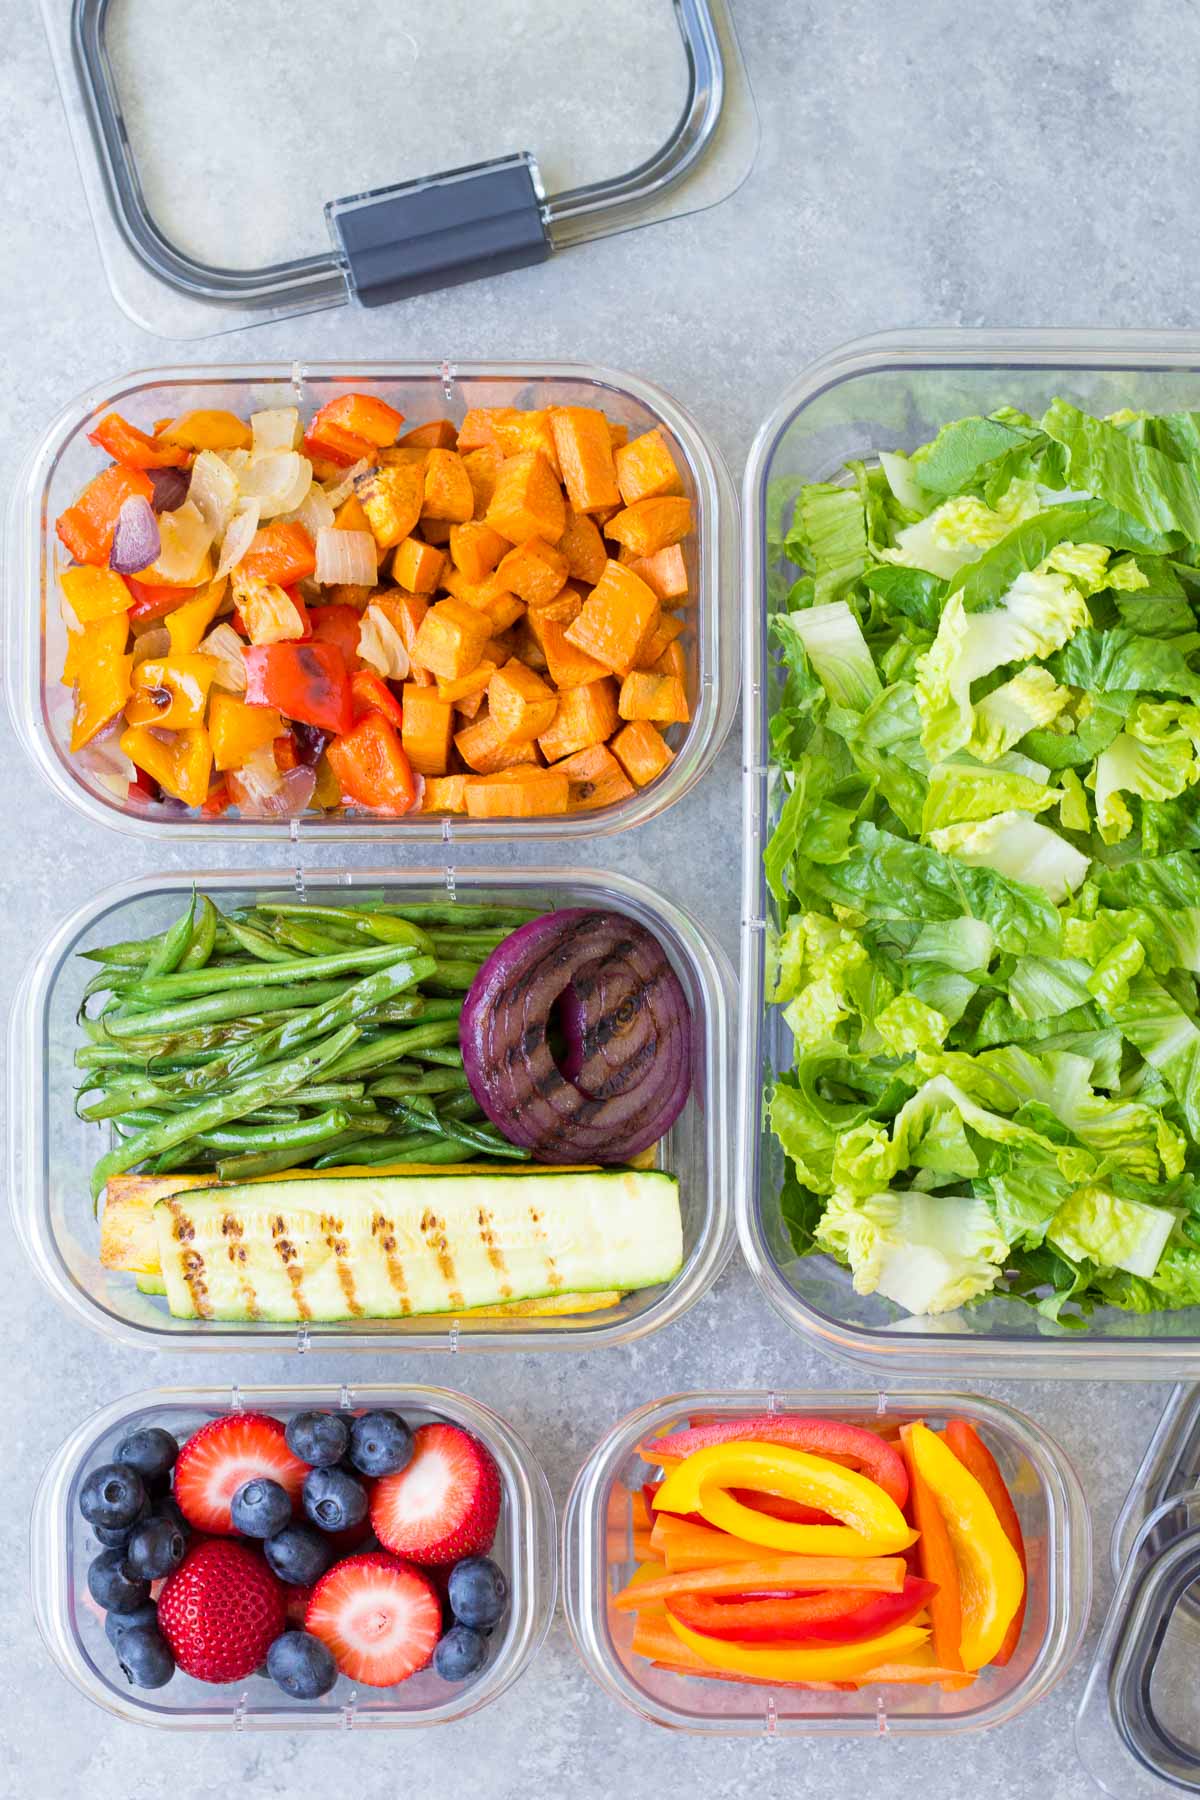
<point x="1068" y="1572"/>
<point x="534" y="1553"/>
<point x="28" y="529"/>
<point x="906" y="1351"/>
<point x="694" y="943"/>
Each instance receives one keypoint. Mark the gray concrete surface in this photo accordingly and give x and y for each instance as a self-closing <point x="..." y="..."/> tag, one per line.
<point x="934" y="163"/>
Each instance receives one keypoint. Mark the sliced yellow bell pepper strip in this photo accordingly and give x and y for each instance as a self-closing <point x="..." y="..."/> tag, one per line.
<point x="188" y="623"/>
<point x="873" y="1523"/>
<point x="989" y="1570"/>
<point x="94" y="593"/>
<point x="807" y="1662"/>
<point x="101" y="672"/>
<point x="181" y="763"/>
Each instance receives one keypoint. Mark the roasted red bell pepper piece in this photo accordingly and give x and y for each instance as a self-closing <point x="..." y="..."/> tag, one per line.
<point x="133" y="449"/>
<point x="371" y="765"/>
<point x="974" y="1455"/>
<point x="281" y="552"/>
<point x="372" y="694"/>
<point x="361" y="415"/>
<point x="878" y="1460"/>
<point x="308" y="682"/>
<point x="87" y="527"/>
<point x="150" y="602"/>
<point x="837" y="1616"/>
<point x="340" y="625"/>
<point x="334" y="445"/>
<point x="287" y="755"/>
<point x="218" y="800"/>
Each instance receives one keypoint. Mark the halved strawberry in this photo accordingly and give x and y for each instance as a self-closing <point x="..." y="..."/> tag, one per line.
<point x="296" y="1599"/>
<point x="217" y="1459"/>
<point x="378" y="1617"/>
<point x="442" y="1505"/>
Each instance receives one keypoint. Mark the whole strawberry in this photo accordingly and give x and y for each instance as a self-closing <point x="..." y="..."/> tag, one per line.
<point x="221" y="1611"/>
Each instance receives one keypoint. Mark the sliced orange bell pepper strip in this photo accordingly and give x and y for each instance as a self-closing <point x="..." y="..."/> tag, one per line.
<point x="281" y="552"/>
<point x="991" y="1580"/>
<point x="935" y="1556"/>
<point x="87" y="527"/>
<point x="780" y="1662"/>
<point x="873" y="1524"/>
<point x="133" y="448"/>
<point x="370" y="763"/>
<point x="771" y="1574"/>
<point x="974" y="1455"/>
<point x="362" y="415"/>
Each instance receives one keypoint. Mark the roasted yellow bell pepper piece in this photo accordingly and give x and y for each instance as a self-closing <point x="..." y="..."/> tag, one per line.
<point x="188" y="623"/>
<point x="873" y="1523"/>
<point x="97" y="664"/>
<point x="208" y="429"/>
<point x="94" y="593"/>
<point x="171" y="691"/>
<point x="238" y="730"/>
<point x="181" y="763"/>
<point x="809" y="1662"/>
<point x="989" y="1570"/>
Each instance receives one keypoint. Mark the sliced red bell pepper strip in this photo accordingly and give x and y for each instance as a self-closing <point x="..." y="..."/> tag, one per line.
<point x="371" y="765"/>
<point x="820" y="1437"/>
<point x="281" y="552"/>
<point x="340" y="625"/>
<point x="218" y="800"/>
<point x="133" y="448"/>
<point x="330" y="443"/>
<point x="87" y="527"/>
<point x="150" y="602"/>
<point x="362" y="415"/>
<point x="308" y="682"/>
<point x="975" y="1456"/>
<point x="836" y="1616"/>
<point x="287" y="754"/>
<point x="938" y="1564"/>
<point x="372" y="694"/>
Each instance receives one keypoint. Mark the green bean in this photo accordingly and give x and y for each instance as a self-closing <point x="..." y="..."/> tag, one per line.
<point x="400" y="1011"/>
<point x="385" y="929"/>
<point x="449" y="1057"/>
<point x="276" y="1137"/>
<point x="203" y="938"/>
<point x="106" y="1056"/>
<point x="419" y="1146"/>
<point x="440" y="1009"/>
<point x="390" y="1046"/>
<point x="191" y="984"/>
<point x="124" y="1097"/>
<point x="256" y="943"/>
<point x="461" y="1106"/>
<point x="455" y="975"/>
<point x="307" y="940"/>
<point x="231" y="1003"/>
<point x="263" y="1162"/>
<point x="274" y="1084"/>
<point x="429" y="1081"/>
<point x="130" y="953"/>
<point x="107" y="983"/>
<point x="488" y="1142"/>
<point x="329" y="1093"/>
<point x="468" y="943"/>
<point x="168" y="953"/>
<point x="457" y="913"/>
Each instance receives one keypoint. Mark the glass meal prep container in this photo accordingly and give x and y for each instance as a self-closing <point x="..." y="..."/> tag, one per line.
<point x="598" y="1560"/>
<point x="881" y="393"/>
<point x="62" y="1544"/>
<point x="52" y="1151"/>
<point x="1138" y="1726"/>
<point x="64" y="461"/>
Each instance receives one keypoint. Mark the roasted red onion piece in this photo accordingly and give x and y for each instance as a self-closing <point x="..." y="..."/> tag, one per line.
<point x="170" y="488"/>
<point x="137" y="539"/>
<point x="628" y="1031"/>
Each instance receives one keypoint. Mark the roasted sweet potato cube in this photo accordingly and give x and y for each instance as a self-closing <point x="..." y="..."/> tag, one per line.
<point x="404" y="456"/>
<point x="617" y="618"/>
<point x="673" y="661"/>
<point x="529" y="646"/>
<point x="475" y="549"/>
<point x="646" y="469"/>
<point x="469" y="708"/>
<point x="585" y="457"/>
<point x="618" y="434"/>
<point x="448" y="491"/>
<point x="642" y="751"/>
<point x="350" y="515"/>
<point x="665" y="572"/>
<point x="566" y="605"/>
<point x="501" y="608"/>
<point x="521" y="705"/>
<point x="392" y="496"/>
<point x="568" y="666"/>
<point x="517" y="793"/>
<point x="482" y="466"/>
<point x="652" y="525"/>
<point x="665" y="632"/>
<point x="464" y="686"/>
<point x="535" y="570"/>
<point x="406" y="612"/>
<point x="586" y="715"/>
<point x="511" y="430"/>
<point x="646" y="695"/>
<point x="418" y="566"/>
<point x="451" y="638"/>
<point x="425" y="733"/>
<point x="527" y="501"/>
<point x="481" y="427"/>
<point x="438" y="434"/>
<point x="444" y="793"/>
<point x="483" y="749"/>
<point x="583" y="547"/>
<point x="596" y="777"/>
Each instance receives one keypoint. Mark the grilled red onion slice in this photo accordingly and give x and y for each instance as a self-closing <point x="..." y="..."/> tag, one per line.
<point x="170" y="488"/>
<point x="137" y="539"/>
<point x="628" y="1032"/>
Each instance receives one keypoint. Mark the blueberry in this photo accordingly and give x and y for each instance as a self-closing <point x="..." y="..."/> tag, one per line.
<point x="117" y="1624"/>
<point x="380" y="1443"/>
<point x="301" y="1665"/>
<point x="112" y="1496"/>
<point x="151" y="1452"/>
<point x="113" y="1536"/>
<point x="333" y="1500"/>
<point x="145" y="1657"/>
<point x="478" y="1592"/>
<point x="298" y="1555"/>
<point x="260" y="1508"/>
<point x="113" y="1586"/>
<point x="156" y="1547"/>
<point x="318" y="1438"/>
<point x="462" y="1652"/>
<point x="169" y="1508"/>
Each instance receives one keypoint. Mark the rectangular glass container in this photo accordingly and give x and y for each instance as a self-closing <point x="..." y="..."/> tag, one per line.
<point x="62" y="1545"/>
<point x="883" y="393"/>
<point x="52" y="1151"/>
<point x="598" y="1560"/>
<point x="63" y="461"/>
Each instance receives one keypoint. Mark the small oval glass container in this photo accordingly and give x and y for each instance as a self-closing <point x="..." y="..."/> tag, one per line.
<point x="51" y="1151"/>
<point x="1138" y="1726"/>
<point x="598" y="1560"/>
<point x="62" y="1545"/>
<point x="64" y="460"/>
<point x="889" y="392"/>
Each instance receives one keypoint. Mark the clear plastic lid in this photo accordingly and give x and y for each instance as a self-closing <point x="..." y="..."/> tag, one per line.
<point x="240" y="164"/>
